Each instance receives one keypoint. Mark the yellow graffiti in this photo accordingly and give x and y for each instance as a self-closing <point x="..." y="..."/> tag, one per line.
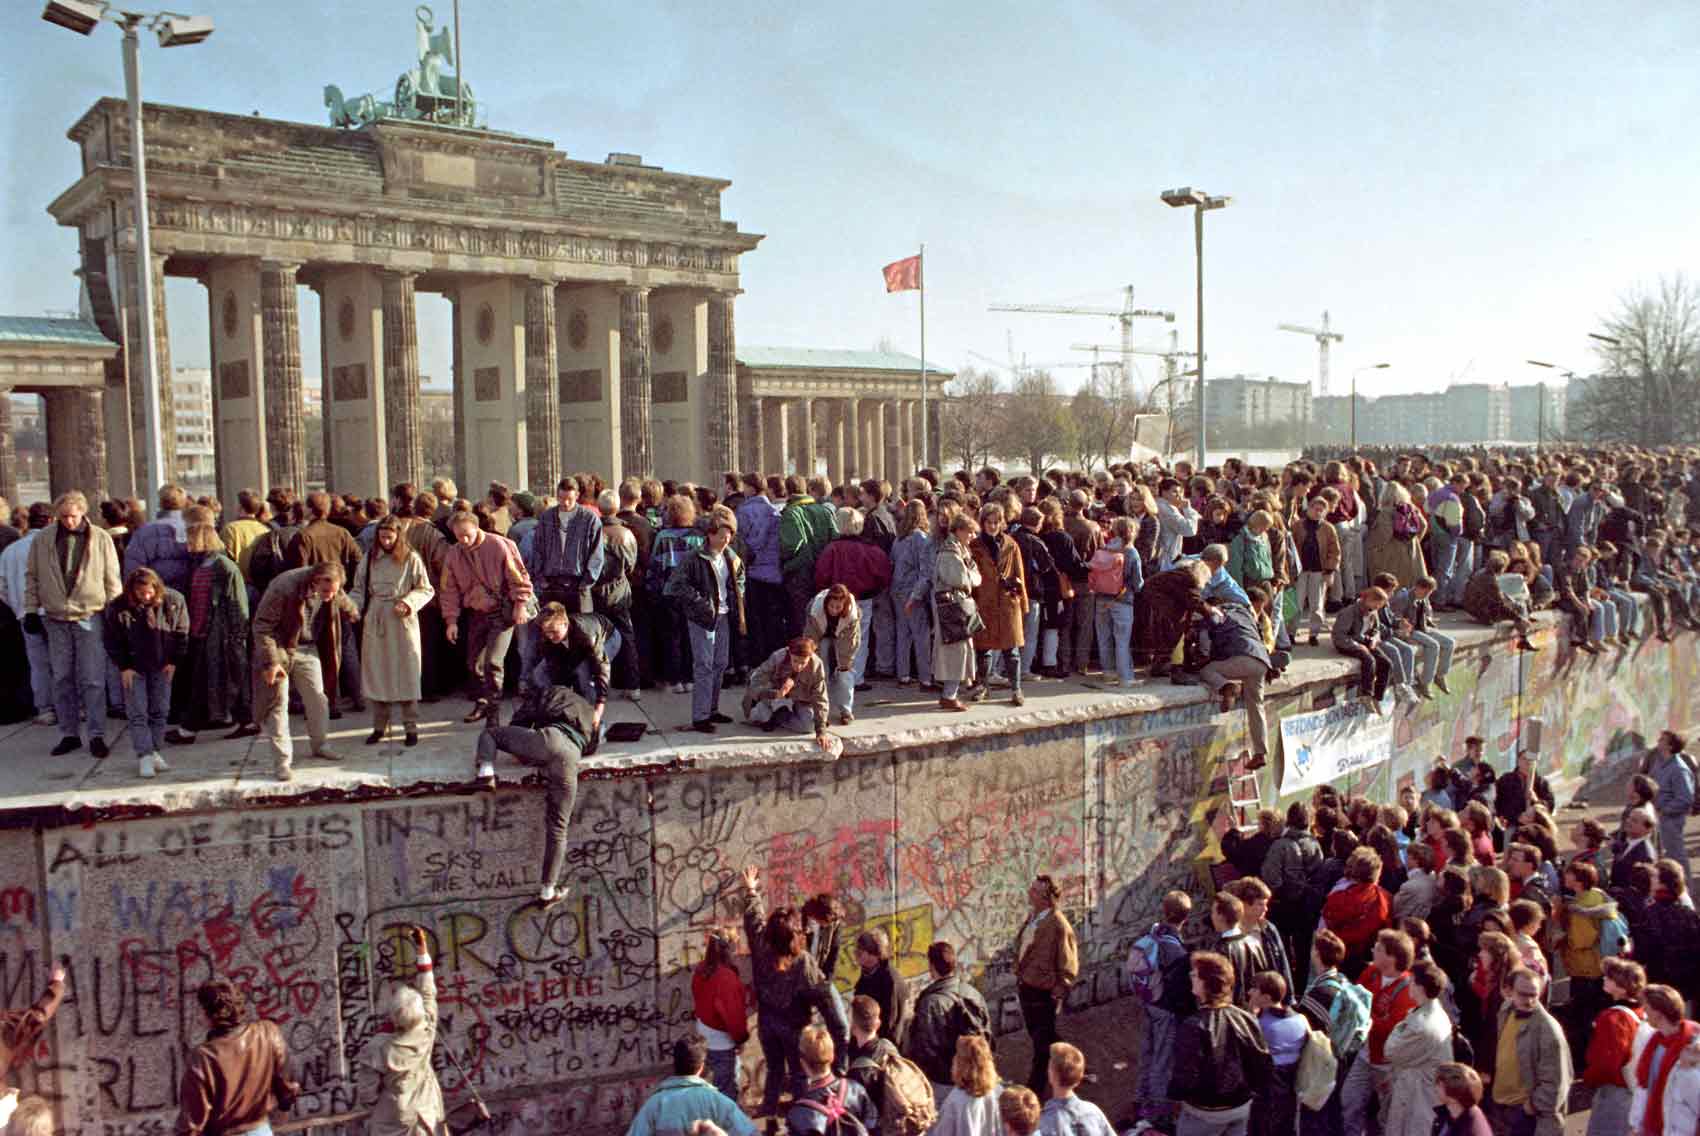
<point x="911" y="933"/>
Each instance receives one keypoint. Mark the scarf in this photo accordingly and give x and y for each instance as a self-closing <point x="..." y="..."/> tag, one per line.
<point x="72" y="566"/>
<point x="1673" y="1044"/>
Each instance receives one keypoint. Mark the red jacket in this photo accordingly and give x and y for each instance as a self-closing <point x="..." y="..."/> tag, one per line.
<point x="856" y="563"/>
<point x="1611" y="1045"/>
<point x="1390" y="1000"/>
<point x="1355" y="913"/>
<point x="718" y="1001"/>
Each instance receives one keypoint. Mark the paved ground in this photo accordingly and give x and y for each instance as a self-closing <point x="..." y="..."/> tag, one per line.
<point x="1109" y="1034"/>
<point x="215" y="773"/>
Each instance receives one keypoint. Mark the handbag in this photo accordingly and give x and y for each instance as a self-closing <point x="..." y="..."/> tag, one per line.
<point x="959" y="618"/>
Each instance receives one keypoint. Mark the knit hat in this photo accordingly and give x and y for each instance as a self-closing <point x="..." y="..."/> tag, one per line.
<point x="526" y="501"/>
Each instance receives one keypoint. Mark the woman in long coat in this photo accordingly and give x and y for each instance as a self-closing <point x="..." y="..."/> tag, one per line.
<point x="389" y="588"/>
<point x="1418" y="1046"/>
<point x="218" y="636"/>
<point x="953" y="573"/>
<point x="1002" y="598"/>
<point x="1385" y="549"/>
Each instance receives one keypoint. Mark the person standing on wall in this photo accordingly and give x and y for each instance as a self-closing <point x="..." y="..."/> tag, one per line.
<point x="1675" y="778"/>
<point x="1047" y="961"/>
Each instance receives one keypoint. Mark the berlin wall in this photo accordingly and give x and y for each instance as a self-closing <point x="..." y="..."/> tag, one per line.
<point x="563" y="1016"/>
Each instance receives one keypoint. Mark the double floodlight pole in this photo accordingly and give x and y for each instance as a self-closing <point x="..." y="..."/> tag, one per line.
<point x="174" y="30"/>
<point x="1199" y="201"/>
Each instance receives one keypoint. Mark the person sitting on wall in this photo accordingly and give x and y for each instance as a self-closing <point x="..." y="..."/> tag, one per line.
<point x="788" y="691"/>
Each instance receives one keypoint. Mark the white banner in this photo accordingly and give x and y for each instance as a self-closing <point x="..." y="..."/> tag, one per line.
<point x="1326" y="745"/>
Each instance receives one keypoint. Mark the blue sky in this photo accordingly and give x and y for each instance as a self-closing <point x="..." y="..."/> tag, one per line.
<point x="1462" y="185"/>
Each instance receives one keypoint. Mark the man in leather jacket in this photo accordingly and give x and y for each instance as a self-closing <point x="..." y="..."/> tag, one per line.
<point x="238" y="1075"/>
<point x="1221" y="1059"/>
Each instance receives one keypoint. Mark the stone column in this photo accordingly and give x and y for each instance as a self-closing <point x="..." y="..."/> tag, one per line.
<point x="876" y="438"/>
<point x="807" y="454"/>
<point x="773" y="427"/>
<point x="905" y="437"/>
<point x="637" y="458"/>
<point x="835" y="470"/>
<point x="751" y="450"/>
<point x="893" y="426"/>
<point x="935" y="441"/>
<point x="327" y="419"/>
<point x="722" y="380"/>
<point x="542" y="401"/>
<point x="8" y="450"/>
<point x="406" y="457"/>
<point x="76" y="441"/>
<point x="286" y="453"/>
<point x="852" y="439"/>
<point x="457" y="383"/>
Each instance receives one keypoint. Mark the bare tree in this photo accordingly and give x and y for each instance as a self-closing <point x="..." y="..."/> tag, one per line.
<point x="1649" y="350"/>
<point x="1035" y="423"/>
<point x="1103" y="411"/>
<point x="968" y="418"/>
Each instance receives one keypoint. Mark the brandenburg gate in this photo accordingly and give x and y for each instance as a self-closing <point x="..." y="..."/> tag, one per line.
<point x="593" y="302"/>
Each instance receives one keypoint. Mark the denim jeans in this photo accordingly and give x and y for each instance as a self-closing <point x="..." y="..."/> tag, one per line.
<point x="41" y="671"/>
<point x="79" y="674"/>
<point x="710" y="652"/>
<point x="1156" y="1062"/>
<point x="1115" y="636"/>
<point x="1446" y="548"/>
<point x="915" y="636"/>
<point x="1437" y="648"/>
<point x="1463" y="563"/>
<point x="1629" y="619"/>
<point x="722" y="1071"/>
<point x="1030" y="637"/>
<point x="1401" y="657"/>
<point x="840" y="684"/>
<point x="1011" y="660"/>
<point x="860" y="668"/>
<point x="1223" y="1122"/>
<point x="146" y="702"/>
<point x="884" y="627"/>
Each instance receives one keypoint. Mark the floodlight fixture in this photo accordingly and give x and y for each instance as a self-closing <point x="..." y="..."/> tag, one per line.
<point x="80" y="16"/>
<point x="176" y="30"/>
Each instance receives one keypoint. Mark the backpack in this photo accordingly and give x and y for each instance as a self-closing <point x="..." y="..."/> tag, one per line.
<point x="839" y="1120"/>
<point x="1614" y="937"/>
<point x="1318" y="1068"/>
<point x="1407" y="522"/>
<point x="1475" y="519"/>
<point x="1145" y="964"/>
<point x="1348" y="1018"/>
<point x="1463" y="1052"/>
<point x="265" y="561"/>
<point x="906" y="1108"/>
<point x="1643" y="1034"/>
<point x="1104" y="573"/>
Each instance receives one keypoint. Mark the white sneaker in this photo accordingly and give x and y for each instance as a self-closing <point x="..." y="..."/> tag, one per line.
<point x="159" y="765"/>
<point x="486" y="771"/>
<point x="549" y="893"/>
<point x="47" y="718"/>
<point x="634" y="695"/>
<point x="147" y="765"/>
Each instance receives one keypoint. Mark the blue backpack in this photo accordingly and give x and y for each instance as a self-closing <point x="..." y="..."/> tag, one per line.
<point x="1145" y="963"/>
<point x="1614" y="937"/>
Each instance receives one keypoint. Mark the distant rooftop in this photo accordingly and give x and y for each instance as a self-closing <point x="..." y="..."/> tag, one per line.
<point x="816" y="357"/>
<point x="46" y="331"/>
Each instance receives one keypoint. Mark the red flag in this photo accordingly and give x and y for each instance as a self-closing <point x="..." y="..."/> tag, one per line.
<point x="903" y="275"/>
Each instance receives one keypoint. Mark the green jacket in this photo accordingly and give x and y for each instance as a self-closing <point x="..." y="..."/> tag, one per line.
<point x="1249" y="561"/>
<point x="805" y="525"/>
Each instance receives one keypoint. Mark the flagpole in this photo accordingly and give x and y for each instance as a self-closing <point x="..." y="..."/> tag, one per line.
<point x="921" y="264"/>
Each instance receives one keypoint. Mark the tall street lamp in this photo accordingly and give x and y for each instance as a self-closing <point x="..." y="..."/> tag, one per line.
<point x="1541" y="415"/>
<point x="174" y="30"/>
<point x="1200" y="201"/>
<point x="1355" y="374"/>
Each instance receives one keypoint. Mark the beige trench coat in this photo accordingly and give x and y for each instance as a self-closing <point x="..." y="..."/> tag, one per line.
<point x="390" y="656"/>
<point x="409" y="1100"/>
<point x="953" y="571"/>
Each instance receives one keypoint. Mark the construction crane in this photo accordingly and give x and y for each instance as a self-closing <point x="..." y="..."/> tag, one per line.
<point x="1171" y="372"/>
<point x="1323" y="335"/>
<point x="1017" y="370"/>
<point x="1125" y="315"/>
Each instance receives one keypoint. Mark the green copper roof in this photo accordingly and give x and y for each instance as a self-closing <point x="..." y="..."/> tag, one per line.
<point x="823" y="357"/>
<point x="49" y="332"/>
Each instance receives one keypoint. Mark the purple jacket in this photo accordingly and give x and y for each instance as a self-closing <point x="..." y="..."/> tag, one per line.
<point x="163" y="545"/>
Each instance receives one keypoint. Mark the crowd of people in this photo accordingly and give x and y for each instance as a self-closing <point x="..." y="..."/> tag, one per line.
<point x="1346" y="922"/>
<point x="806" y="594"/>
